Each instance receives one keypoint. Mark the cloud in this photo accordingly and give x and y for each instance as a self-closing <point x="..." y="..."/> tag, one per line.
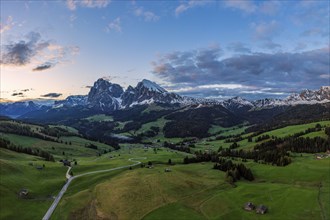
<point x="264" y="30"/>
<point x="238" y="47"/>
<point x="300" y="46"/>
<point x="52" y="95"/>
<point x="246" y="6"/>
<point x="20" y="53"/>
<point x="114" y="25"/>
<point x="73" y="4"/>
<point x="19" y="94"/>
<point x="315" y="31"/>
<point x="314" y="13"/>
<point x="269" y="44"/>
<point x="43" y="66"/>
<point x="270" y="7"/>
<point x="188" y="5"/>
<point x="35" y="51"/>
<point x="7" y="25"/>
<point x="146" y="15"/>
<point x="201" y="71"/>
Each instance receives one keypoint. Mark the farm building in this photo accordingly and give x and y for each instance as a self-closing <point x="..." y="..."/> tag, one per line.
<point x="261" y="209"/>
<point x="23" y="192"/>
<point x="249" y="206"/>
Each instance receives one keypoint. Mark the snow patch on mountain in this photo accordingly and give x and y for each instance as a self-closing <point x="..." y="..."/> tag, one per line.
<point x="152" y="86"/>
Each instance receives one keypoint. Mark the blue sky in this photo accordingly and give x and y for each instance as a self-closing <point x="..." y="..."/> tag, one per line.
<point x="214" y="49"/>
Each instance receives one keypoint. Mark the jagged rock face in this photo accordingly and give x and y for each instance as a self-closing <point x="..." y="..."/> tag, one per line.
<point x="108" y="97"/>
<point x="128" y="96"/>
<point x="73" y="100"/>
<point x="105" y="96"/>
<point x="267" y="103"/>
<point x="147" y="92"/>
<point x="237" y="104"/>
<point x="309" y="96"/>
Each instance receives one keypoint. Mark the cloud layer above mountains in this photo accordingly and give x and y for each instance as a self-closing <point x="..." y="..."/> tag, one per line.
<point x="205" y="72"/>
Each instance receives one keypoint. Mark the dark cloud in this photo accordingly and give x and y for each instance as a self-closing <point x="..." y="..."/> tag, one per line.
<point x="44" y="66"/>
<point x="269" y="44"/>
<point x="20" y="53"/>
<point x="20" y="94"/>
<point x="32" y="49"/>
<point x="52" y="95"/>
<point x="249" y="74"/>
<point x="238" y="47"/>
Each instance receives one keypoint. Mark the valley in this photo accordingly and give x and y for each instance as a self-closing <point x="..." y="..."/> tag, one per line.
<point x="164" y="110"/>
<point x="195" y="159"/>
<point x="191" y="191"/>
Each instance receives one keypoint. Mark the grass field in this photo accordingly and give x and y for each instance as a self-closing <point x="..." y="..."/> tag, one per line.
<point x="76" y="149"/>
<point x="196" y="191"/>
<point x="100" y="117"/>
<point x="244" y="144"/>
<point x="16" y="173"/>
<point x="300" y="190"/>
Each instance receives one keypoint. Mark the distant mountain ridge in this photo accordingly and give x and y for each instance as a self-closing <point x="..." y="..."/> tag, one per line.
<point x="108" y="97"/>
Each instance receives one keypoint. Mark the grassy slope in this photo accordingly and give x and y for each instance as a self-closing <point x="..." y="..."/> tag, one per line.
<point x="16" y="174"/>
<point x="68" y="128"/>
<point x="196" y="191"/>
<point x="100" y="117"/>
<point x="76" y="149"/>
<point x="281" y="132"/>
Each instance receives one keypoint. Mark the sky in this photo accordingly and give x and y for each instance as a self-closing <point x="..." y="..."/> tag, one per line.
<point x="210" y="49"/>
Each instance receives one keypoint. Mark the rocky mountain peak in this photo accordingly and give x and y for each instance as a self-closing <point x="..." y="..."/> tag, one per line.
<point x="151" y="86"/>
<point x="105" y="95"/>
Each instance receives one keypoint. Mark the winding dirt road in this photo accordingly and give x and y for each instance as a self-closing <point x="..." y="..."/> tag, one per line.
<point x="70" y="178"/>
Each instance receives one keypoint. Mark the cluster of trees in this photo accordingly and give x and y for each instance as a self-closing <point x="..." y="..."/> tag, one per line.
<point x="20" y="129"/>
<point x="276" y="151"/>
<point x="201" y="157"/>
<point x="56" y="132"/>
<point x="307" y="145"/>
<point x="234" y="146"/>
<point x="234" y="172"/>
<point x="182" y="148"/>
<point x="27" y="150"/>
<point x="91" y="146"/>
<point x="274" y="156"/>
<point x="196" y="122"/>
<point x="186" y="128"/>
<point x="293" y="115"/>
<point x="233" y="138"/>
<point x="327" y="131"/>
<point x="262" y="137"/>
<point x="152" y="132"/>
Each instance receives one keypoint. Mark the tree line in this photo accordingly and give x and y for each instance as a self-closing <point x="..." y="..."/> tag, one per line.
<point x="27" y="150"/>
<point x="234" y="172"/>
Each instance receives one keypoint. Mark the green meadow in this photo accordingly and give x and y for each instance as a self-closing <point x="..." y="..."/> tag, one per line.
<point x="300" y="190"/>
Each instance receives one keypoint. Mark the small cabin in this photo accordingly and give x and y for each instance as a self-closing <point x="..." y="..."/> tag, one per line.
<point x="261" y="209"/>
<point x="23" y="192"/>
<point x="66" y="163"/>
<point x="249" y="206"/>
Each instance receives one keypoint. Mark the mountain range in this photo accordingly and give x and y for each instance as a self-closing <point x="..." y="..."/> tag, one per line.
<point x="105" y="96"/>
